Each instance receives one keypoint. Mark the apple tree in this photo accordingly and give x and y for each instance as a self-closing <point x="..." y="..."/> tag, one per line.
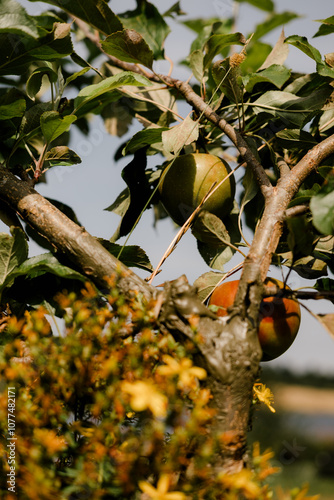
<point x="143" y="391"/>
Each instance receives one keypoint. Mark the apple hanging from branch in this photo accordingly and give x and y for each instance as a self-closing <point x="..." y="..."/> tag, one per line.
<point x="279" y="316"/>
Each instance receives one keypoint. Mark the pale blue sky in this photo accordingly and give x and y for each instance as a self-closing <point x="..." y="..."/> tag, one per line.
<point x="93" y="185"/>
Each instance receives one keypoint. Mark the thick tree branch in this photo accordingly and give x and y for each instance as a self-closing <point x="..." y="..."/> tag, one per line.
<point x="82" y="249"/>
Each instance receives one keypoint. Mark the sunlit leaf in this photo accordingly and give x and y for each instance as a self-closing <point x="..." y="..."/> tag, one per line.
<point x="278" y="54"/>
<point x="302" y="44"/>
<point x="62" y="155"/>
<point x="53" y="124"/>
<point x="112" y="83"/>
<point x="177" y="137"/>
<point x="327" y="320"/>
<point x="275" y="74"/>
<point x="14" y="19"/>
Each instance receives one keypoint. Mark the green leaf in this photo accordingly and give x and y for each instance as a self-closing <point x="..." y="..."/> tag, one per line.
<point x="296" y="139"/>
<point x="275" y="74"/>
<point x="94" y="12"/>
<point x="131" y="256"/>
<point x="267" y="5"/>
<point x="13" y="110"/>
<point x="301" y="43"/>
<point x="181" y="135"/>
<point x="121" y="204"/>
<point x="143" y="138"/>
<point x="196" y="61"/>
<point x="53" y="124"/>
<point x="213" y="239"/>
<point x="147" y="21"/>
<point x="129" y="46"/>
<point x="42" y="264"/>
<point x="18" y="52"/>
<point x="14" y="19"/>
<point x="112" y="83"/>
<point x="227" y="78"/>
<point x="272" y="22"/>
<point x="206" y="283"/>
<point x="174" y="10"/>
<point x="294" y="110"/>
<point x="251" y="188"/>
<point x="34" y="81"/>
<point x="62" y="156"/>
<point x="13" y="251"/>
<point x="217" y="43"/>
<point x="326" y="28"/>
<point x="301" y="239"/>
<point x="76" y="75"/>
<point x="322" y="207"/>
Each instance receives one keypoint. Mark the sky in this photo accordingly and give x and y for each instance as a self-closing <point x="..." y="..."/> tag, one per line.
<point x="92" y="186"/>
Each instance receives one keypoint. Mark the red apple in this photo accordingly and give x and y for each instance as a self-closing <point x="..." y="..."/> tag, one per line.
<point x="279" y="317"/>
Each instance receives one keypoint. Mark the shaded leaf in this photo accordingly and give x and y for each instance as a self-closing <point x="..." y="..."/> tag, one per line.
<point x="121" y="204"/>
<point x="14" y="19"/>
<point x="94" y="12"/>
<point x="217" y="43"/>
<point x="294" y="110"/>
<point x="300" y="238"/>
<point x="18" y="52"/>
<point x="129" y="46"/>
<point x="181" y="135"/>
<point x="275" y="74"/>
<point x="327" y="320"/>
<point x="53" y="124"/>
<point x="13" y="251"/>
<point x="322" y="207"/>
<point x="228" y="79"/>
<point x="113" y="82"/>
<point x="214" y="238"/>
<point x="144" y="137"/>
<point x="302" y="44"/>
<point x="34" y="81"/>
<point x="14" y="109"/>
<point x="130" y="256"/>
<point x="206" y="283"/>
<point x="62" y="155"/>
<point x="41" y="264"/>
<point x="251" y="188"/>
<point x="147" y="21"/>
<point x="296" y="139"/>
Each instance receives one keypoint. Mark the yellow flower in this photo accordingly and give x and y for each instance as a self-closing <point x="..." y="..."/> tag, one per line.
<point x="241" y="482"/>
<point x="263" y="394"/>
<point x="161" y="491"/>
<point x="143" y="396"/>
<point x="184" y="369"/>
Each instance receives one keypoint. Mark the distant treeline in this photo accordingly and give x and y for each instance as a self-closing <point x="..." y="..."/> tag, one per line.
<point x="286" y="376"/>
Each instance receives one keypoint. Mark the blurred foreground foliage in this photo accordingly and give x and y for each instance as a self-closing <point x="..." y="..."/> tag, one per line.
<point x="112" y="407"/>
